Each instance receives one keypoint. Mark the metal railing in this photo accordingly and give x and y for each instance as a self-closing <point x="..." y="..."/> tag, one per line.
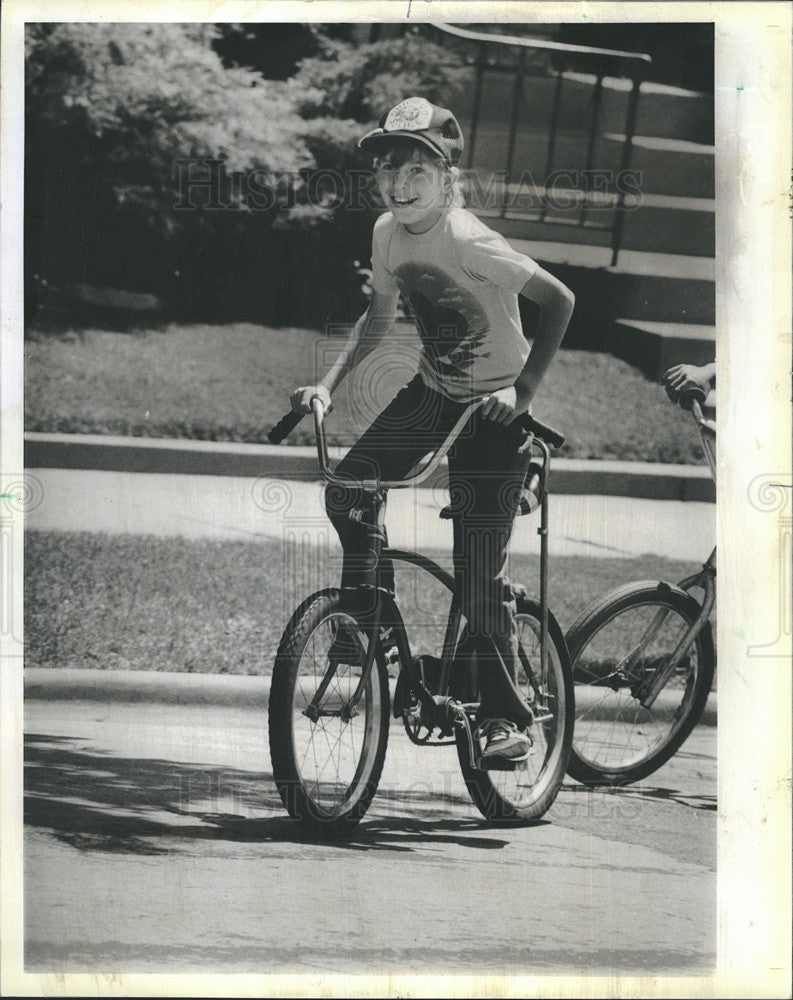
<point x="540" y="57"/>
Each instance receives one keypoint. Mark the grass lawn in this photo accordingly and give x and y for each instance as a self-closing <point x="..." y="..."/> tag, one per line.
<point x="232" y="382"/>
<point x="143" y="603"/>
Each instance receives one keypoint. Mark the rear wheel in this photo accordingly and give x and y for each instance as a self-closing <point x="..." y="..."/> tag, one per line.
<point x="617" y="647"/>
<point x="526" y="793"/>
<point x="327" y="753"/>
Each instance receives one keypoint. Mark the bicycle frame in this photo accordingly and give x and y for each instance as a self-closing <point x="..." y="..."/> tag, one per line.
<point x="705" y="579"/>
<point x="377" y="485"/>
<point x="440" y="706"/>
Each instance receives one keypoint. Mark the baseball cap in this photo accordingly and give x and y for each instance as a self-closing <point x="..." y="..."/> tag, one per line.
<point x="415" y="118"/>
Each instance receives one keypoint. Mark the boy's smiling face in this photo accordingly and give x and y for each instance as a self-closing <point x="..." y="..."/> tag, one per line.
<point x="413" y="189"/>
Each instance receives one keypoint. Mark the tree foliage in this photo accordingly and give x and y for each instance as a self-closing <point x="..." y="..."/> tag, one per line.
<point x="273" y="48"/>
<point x="348" y="85"/>
<point x="111" y="109"/>
<point x="134" y="98"/>
<point x="361" y="82"/>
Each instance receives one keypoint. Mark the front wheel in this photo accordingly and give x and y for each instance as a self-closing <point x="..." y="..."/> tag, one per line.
<point x="327" y="749"/>
<point x="526" y="793"/>
<point x="617" y="647"/>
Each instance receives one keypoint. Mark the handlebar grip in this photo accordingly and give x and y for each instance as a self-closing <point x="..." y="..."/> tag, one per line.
<point x="540" y="430"/>
<point x="285" y="426"/>
<point x="687" y="396"/>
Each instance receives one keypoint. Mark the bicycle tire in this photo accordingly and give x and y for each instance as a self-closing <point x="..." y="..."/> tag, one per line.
<point x="525" y="794"/>
<point x="611" y="728"/>
<point x="305" y="752"/>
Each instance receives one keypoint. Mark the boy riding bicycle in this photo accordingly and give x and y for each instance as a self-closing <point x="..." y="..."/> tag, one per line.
<point x="461" y="282"/>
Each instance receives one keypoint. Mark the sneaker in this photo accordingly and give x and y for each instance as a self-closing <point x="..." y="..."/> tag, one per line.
<point x="505" y="744"/>
<point x="346" y="647"/>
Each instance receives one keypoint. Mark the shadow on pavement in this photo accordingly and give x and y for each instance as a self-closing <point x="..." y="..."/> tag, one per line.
<point x="99" y="802"/>
<point x="648" y="792"/>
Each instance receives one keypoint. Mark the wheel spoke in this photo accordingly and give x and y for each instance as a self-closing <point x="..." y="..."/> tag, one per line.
<point x="336" y="761"/>
<point x="527" y="791"/>
<point x="613" y="731"/>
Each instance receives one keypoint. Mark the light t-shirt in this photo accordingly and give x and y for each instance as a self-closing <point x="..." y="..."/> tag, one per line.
<point x="460" y="282"/>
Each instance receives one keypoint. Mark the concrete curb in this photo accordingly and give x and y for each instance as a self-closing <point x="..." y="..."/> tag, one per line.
<point x="641" y="480"/>
<point x="163" y="687"/>
<point x="169" y="688"/>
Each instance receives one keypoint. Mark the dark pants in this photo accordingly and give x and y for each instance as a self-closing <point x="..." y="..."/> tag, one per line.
<point x="486" y="473"/>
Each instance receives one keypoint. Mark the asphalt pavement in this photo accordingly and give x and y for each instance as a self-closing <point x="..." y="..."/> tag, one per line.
<point x="156" y="842"/>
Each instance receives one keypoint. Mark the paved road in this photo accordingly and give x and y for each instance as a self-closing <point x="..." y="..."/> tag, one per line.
<point x="156" y="842"/>
<point x="246" y="509"/>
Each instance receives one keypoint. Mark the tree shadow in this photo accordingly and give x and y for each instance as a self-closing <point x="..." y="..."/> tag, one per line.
<point x="695" y="800"/>
<point x="96" y="801"/>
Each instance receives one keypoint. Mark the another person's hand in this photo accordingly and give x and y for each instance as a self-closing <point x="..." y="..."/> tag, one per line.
<point x="505" y="405"/>
<point x="301" y="398"/>
<point x="682" y="379"/>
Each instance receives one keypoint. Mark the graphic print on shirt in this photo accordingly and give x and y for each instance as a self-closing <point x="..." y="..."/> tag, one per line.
<point x="451" y="322"/>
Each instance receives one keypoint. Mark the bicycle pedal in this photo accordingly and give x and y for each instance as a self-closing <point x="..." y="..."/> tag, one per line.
<point x="502" y="763"/>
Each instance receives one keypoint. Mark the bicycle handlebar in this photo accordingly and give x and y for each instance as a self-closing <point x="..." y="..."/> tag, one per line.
<point x="703" y="422"/>
<point x="706" y="427"/>
<point x="284" y="427"/>
<point x="542" y="431"/>
<point x="290" y="420"/>
<point x="693" y="394"/>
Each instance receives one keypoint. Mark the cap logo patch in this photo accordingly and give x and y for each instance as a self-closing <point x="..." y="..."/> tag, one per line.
<point x="412" y="115"/>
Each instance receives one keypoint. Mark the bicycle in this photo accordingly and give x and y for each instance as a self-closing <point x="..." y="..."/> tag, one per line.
<point x="643" y="662"/>
<point x="329" y="722"/>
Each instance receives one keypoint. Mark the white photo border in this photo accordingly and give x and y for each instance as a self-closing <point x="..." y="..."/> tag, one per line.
<point x="753" y="295"/>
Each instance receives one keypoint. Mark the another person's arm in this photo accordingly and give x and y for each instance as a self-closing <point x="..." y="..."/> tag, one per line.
<point x="556" y="302"/>
<point x="366" y="335"/>
<point x="681" y="378"/>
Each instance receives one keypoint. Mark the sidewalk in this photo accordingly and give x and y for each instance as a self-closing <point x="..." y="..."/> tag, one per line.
<point x="247" y="509"/>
